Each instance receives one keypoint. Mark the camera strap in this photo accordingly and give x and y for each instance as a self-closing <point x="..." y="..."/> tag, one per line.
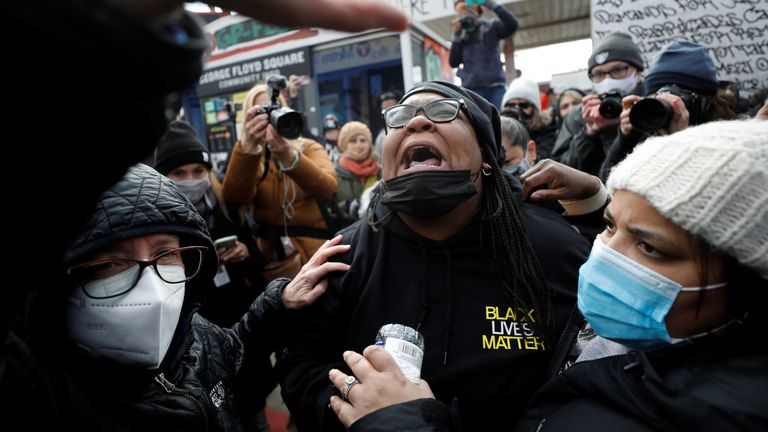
<point x="267" y="154"/>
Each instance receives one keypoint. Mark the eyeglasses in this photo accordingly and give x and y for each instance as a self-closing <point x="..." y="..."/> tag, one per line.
<point x="519" y="105"/>
<point x="439" y="111"/>
<point x="619" y="72"/>
<point x="113" y="277"/>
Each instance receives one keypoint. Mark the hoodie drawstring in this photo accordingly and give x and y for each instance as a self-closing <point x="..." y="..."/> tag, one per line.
<point x="424" y="305"/>
<point x="448" y="316"/>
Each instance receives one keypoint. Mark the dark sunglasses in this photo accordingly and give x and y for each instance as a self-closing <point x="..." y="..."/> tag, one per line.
<point x="519" y="105"/>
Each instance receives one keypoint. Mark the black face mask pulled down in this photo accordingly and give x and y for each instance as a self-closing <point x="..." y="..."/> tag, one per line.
<point x="427" y="194"/>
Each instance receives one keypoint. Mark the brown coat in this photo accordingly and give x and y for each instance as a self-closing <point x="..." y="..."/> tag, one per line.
<point x="313" y="177"/>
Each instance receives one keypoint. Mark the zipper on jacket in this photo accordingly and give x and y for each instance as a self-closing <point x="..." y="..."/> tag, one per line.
<point x="558" y="361"/>
<point x="172" y="389"/>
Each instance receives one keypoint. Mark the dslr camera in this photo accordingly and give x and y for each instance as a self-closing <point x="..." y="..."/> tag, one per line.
<point x="288" y="122"/>
<point x="650" y="114"/>
<point x="610" y="104"/>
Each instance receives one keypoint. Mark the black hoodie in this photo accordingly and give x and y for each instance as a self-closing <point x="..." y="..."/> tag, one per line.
<point x="481" y="356"/>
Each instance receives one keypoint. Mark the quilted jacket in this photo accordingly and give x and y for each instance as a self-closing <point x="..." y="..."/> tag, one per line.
<point x="196" y="387"/>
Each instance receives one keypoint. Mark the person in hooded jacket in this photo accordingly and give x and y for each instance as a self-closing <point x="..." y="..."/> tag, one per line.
<point x="156" y="40"/>
<point x="121" y="339"/>
<point x="447" y="249"/>
<point x="673" y="292"/>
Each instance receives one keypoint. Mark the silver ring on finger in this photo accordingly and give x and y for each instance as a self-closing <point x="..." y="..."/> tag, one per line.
<point x="348" y="383"/>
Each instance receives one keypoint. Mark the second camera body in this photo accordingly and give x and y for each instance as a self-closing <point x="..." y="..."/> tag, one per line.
<point x="652" y="114"/>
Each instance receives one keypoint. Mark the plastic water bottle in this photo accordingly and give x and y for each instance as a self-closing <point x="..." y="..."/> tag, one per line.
<point x="407" y="347"/>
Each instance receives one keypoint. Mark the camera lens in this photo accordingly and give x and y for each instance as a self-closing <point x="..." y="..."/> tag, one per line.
<point x="610" y="107"/>
<point x="650" y="115"/>
<point x="288" y="122"/>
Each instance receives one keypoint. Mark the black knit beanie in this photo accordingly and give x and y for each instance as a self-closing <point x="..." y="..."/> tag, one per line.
<point x="616" y="46"/>
<point x="482" y="114"/>
<point x="179" y="146"/>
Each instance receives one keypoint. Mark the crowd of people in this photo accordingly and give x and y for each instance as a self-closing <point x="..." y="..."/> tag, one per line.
<point x="598" y="262"/>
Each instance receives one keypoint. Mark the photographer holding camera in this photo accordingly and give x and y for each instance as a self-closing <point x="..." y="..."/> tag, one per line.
<point x="282" y="176"/>
<point x="588" y="131"/>
<point x="683" y="91"/>
<point x="476" y="46"/>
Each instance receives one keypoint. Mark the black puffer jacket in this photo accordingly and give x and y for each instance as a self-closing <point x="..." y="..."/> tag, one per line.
<point x="195" y="386"/>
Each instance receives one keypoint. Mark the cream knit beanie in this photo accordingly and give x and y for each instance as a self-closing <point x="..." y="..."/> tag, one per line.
<point x="712" y="181"/>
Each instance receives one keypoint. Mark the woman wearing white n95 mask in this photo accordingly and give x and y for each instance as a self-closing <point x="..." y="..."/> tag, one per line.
<point x="120" y="336"/>
<point x="128" y="308"/>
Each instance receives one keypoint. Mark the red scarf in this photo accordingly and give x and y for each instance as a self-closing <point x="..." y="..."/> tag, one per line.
<point x="363" y="170"/>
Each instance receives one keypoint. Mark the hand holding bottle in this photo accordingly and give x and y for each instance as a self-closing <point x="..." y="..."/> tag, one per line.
<point x="380" y="383"/>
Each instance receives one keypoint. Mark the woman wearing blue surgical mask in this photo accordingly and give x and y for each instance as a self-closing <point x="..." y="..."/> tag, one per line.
<point x="674" y="294"/>
<point x="119" y="337"/>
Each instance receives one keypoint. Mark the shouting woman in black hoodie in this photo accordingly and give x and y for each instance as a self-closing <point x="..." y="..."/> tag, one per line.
<point x="450" y="250"/>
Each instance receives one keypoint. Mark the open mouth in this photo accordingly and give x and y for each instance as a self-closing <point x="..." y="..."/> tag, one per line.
<point x="421" y="156"/>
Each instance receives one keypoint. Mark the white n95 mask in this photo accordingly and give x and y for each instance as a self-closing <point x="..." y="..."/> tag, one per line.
<point x="135" y="328"/>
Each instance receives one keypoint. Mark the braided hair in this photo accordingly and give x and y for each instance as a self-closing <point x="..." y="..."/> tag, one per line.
<point x="513" y="259"/>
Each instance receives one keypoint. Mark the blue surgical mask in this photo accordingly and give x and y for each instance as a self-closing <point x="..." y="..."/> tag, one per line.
<point x="627" y="302"/>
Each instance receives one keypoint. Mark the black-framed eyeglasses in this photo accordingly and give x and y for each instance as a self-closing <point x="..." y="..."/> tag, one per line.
<point x="520" y="106"/>
<point x="619" y="72"/>
<point x="112" y="277"/>
<point x="439" y="111"/>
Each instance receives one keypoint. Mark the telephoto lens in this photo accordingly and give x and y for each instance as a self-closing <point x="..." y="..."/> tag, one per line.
<point x="288" y="122"/>
<point x="650" y="115"/>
